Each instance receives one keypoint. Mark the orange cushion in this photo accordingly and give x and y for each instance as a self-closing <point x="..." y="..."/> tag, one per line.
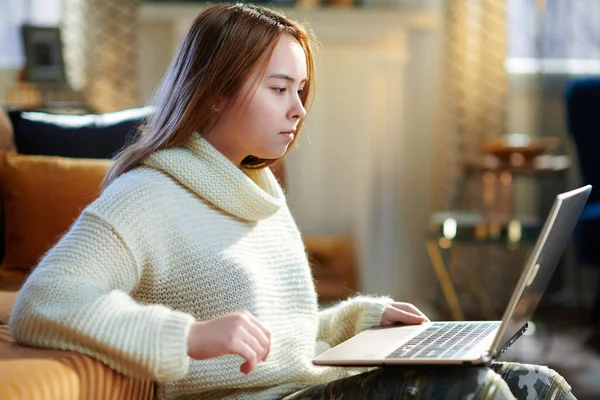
<point x="42" y="197"/>
<point x="32" y="373"/>
<point x="38" y="379"/>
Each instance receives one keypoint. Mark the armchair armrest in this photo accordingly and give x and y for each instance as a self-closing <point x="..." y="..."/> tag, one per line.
<point x="27" y="372"/>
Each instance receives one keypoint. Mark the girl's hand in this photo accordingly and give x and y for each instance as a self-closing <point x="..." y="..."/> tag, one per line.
<point x="238" y="333"/>
<point x="405" y="313"/>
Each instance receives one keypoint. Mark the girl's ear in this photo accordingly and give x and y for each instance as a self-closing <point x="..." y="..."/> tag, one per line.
<point x="219" y="105"/>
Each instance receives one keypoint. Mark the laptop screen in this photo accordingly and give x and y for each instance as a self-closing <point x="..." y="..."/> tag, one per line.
<point x="542" y="262"/>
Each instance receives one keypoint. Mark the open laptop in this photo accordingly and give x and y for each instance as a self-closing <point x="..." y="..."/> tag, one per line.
<point x="470" y="342"/>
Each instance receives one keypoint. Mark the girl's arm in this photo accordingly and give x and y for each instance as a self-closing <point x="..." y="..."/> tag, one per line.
<point x="78" y="299"/>
<point x="350" y="317"/>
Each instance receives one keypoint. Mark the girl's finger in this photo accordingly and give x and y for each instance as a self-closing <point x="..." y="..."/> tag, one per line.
<point x="410" y="308"/>
<point x="244" y="350"/>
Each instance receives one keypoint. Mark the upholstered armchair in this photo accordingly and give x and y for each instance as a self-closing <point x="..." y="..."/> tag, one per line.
<point x="583" y="106"/>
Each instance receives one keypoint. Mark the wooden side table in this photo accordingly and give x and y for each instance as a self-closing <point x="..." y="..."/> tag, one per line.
<point x="498" y="180"/>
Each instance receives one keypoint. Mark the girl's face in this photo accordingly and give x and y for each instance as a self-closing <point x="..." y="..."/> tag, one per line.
<point x="261" y="120"/>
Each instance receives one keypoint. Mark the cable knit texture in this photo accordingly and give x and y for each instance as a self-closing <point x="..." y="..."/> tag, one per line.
<point x="187" y="236"/>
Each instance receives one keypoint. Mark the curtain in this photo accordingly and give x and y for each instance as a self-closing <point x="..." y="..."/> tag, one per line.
<point x="100" y="38"/>
<point x="474" y="99"/>
<point x="471" y="110"/>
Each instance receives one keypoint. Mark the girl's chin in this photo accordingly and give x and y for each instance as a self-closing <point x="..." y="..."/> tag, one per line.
<point x="274" y="153"/>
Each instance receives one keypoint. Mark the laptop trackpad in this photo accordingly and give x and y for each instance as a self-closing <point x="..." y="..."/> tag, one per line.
<point x="373" y="344"/>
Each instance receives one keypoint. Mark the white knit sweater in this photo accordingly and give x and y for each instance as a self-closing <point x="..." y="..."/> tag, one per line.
<point x="187" y="236"/>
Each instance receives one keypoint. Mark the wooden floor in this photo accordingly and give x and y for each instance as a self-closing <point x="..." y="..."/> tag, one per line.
<point x="560" y="339"/>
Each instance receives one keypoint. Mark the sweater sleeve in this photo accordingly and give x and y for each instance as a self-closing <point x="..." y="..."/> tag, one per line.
<point x="78" y="299"/>
<point x="350" y="317"/>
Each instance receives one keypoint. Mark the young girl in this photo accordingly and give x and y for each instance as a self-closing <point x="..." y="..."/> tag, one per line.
<point x="189" y="269"/>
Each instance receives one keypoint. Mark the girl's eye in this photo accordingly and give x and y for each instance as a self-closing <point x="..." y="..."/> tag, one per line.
<point x="280" y="90"/>
<point x="300" y="92"/>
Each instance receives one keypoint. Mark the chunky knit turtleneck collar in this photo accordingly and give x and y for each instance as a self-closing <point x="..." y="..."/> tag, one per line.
<point x="247" y="194"/>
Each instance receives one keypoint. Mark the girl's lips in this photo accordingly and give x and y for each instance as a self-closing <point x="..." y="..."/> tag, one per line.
<point x="289" y="134"/>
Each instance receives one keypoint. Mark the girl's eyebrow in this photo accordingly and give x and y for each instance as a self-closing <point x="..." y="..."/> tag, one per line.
<point x="286" y="77"/>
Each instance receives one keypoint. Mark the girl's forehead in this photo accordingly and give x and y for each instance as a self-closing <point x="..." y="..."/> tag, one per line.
<point x="288" y="58"/>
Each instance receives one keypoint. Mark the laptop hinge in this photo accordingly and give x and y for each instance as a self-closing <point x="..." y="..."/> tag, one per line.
<point x="513" y="339"/>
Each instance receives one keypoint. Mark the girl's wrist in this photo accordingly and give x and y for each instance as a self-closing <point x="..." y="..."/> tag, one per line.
<point x="193" y="332"/>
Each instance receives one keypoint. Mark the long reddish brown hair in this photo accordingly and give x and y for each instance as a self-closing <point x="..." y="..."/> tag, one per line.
<point x="224" y="45"/>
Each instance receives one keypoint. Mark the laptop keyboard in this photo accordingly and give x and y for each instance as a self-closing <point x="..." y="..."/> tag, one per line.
<point x="442" y="340"/>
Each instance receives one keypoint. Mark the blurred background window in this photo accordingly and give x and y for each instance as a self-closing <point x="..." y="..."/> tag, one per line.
<point x="14" y="13"/>
<point x="553" y="36"/>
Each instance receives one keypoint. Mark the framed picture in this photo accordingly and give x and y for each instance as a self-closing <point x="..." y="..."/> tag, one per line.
<point x="43" y="54"/>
